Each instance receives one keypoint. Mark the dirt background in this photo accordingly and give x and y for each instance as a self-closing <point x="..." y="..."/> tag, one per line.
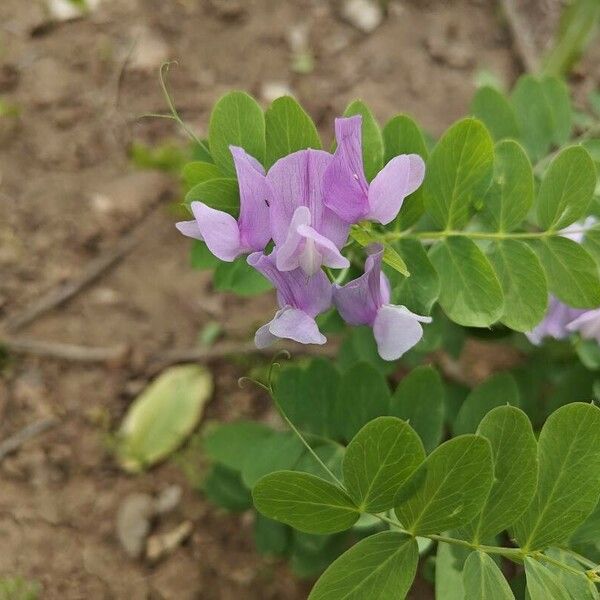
<point x="68" y="191"/>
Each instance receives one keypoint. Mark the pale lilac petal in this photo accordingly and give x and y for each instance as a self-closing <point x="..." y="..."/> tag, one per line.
<point x="417" y="173"/>
<point x="263" y="337"/>
<point x="294" y="324"/>
<point x="190" y="229"/>
<point x="219" y="230"/>
<point x="397" y="330"/>
<point x="344" y="183"/>
<point x="289" y="251"/>
<point x="294" y="288"/>
<point x="388" y="190"/>
<point x="554" y="324"/>
<point x="359" y="300"/>
<point x="329" y="255"/>
<point x="588" y="325"/>
<point x="576" y="231"/>
<point x="255" y="195"/>
<point x="296" y="180"/>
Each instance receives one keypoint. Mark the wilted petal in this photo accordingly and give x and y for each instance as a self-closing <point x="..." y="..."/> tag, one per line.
<point x="219" y="230"/>
<point x="588" y="325"/>
<point x="359" y="300"/>
<point x="294" y="288"/>
<point x="190" y="229"/>
<point x="296" y="180"/>
<point x="253" y="222"/>
<point x="397" y="330"/>
<point x="344" y="183"/>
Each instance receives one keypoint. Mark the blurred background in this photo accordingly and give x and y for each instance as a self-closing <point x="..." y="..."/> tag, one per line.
<point x="97" y="294"/>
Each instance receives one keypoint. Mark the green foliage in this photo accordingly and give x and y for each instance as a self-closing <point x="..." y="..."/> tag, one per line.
<point x="17" y="588"/>
<point x="220" y="193"/>
<point x="541" y="584"/>
<point x="239" y="277"/>
<point x="483" y="580"/>
<point x="162" y="417"/>
<point x="493" y="108"/>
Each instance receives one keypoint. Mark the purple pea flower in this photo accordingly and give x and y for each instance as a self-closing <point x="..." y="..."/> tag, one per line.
<point x="306" y="233"/>
<point x="587" y="324"/>
<point x="225" y="237"/>
<point x="556" y="323"/>
<point x="300" y="297"/>
<point x="365" y="301"/>
<point x="346" y="190"/>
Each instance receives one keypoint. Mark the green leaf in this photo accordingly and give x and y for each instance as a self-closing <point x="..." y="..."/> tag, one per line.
<point x="459" y="172"/>
<point x="510" y="197"/>
<point x="569" y="477"/>
<point x="372" y="140"/>
<point x="470" y="291"/>
<point x="534" y="116"/>
<point x="493" y="108"/>
<point x="288" y="129"/>
<point x="449" y="489"/>
<point x="379" y="567"/>
<point x="236" y="120"/>
<point x="221" y="194"/>
<point x="571" y="272"/>
<point x="229" y="443"/>
<point x="402" y="135"/>
<point x="390" y="256"/>
<point x="239" y="277"/>
<point x="419" y="399"/>
<point x="224" y="487"/>
<point x="419" y="291"/>
<point x="542" y="584"/>
<point x="360" y="346"/>
<point x="312" y="554"/>
<point x="198" y="171"/>
<point x="163" y="415"/>
<point x="378" y="460"/>
<point x="305" y="502"/>
<point x="278" y="451"/>
<point x="331" y="454"/>
<point x="270" y="537"/>
<point x="498" y="390"/>
<point x="449" y="563"/>
<point x="579" y="586"/>
<point x="308" y="397"/>
<point x="566" y="189"/>
<point x="514" y="453"/>
<point x="558" y="98"/>
<point x="523" y="283"/>
<point x="201" y="257"/>
<point x="483" y="580"/>
<point x="589" y="530"/>
<point x="362" y="396"/>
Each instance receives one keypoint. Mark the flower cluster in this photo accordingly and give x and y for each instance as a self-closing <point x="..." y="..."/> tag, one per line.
<point x="305" y="204"/>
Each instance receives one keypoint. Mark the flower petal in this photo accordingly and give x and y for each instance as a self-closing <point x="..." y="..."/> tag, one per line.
<point x="554" y="324"/>
<point x="312" y="295"/>
<point x="263" y="337"/>
<point x="397" y="330"/>
<point x="388" y="190"/>
<point x="417" y="173"/>
<point x="255" y="195"/>
<point x="219" y="230"/>
<point x="588" y="325"/>
<point x="331" y="256"/>
<point x="296" y="180"/>
<point x="289" y="251"/>
<point x="294" y="324"/>
<point x="190" y="229"/>
<point x="344" y="183"/>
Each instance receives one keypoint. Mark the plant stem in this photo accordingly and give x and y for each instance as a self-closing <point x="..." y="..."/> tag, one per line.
<point x="474" y="235"/>
<point x="556" y="563"/>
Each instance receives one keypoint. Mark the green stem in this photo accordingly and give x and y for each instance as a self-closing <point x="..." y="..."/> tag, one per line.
<point x="556" y="563"/>
<point x="474" y="235"/>
<point x="586" y="562"/>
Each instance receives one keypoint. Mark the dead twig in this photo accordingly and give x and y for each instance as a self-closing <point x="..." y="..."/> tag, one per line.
<point x="14" y="442"/>
<point x="523" y="43"/>
<point x="70" y="352"/>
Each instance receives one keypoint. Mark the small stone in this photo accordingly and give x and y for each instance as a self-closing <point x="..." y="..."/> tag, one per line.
<point x="168" y="499"/>
<point x="365" y="15"/>
<point x="270" y="90"/>
<point x="67" y="10"/>
<point x="133" y="522"/>
<point x="162" y="545"/>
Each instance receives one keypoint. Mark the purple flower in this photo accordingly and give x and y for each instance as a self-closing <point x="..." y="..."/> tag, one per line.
<point x="587" y="324"/>
<point x="556" y="323"/>
<point x="365" y="301"/>
<point x="225" y="237"/>
<point x="300" y="297"/>
<point x="347" y="192"/>
<point x="306" y="233"/>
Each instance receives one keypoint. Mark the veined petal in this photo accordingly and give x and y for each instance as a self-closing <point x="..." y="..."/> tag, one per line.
<point x="296" y="180"/>
<point x="294" y="324"/>
<point x="344" y="183"/>
<point x="190" y="229"/>
<point x="397" y="330"/>
<point x="311" y="295"/>
<point x="255" y="195"/>
<point x="330" y="255"/>
<point x="289" y="251"/>
<point x="219" y="230"/>
<point x="359" y="300"/>
<point x="263" y="337"/>
<point x="588" y="325"/>
<point x="392" y="184"/>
